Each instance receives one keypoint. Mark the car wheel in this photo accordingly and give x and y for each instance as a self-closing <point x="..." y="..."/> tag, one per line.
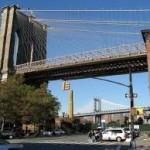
<point x="118" y="139"/>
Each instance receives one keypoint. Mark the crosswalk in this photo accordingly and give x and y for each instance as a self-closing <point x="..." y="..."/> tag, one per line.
<point x="80" y="143"/>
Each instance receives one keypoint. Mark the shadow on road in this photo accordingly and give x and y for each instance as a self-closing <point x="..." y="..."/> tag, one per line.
<point x="46" y="146"/>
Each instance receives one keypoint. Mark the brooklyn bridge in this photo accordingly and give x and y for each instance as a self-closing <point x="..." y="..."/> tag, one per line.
<point x="109" y="47"/>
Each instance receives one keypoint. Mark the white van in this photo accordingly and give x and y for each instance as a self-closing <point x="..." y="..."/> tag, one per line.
<point x="117" y="134"/>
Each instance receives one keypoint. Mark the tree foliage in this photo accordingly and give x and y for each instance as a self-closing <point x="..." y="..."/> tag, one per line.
<point x="26" y="104"/>
<point x="42" y="105"/>
<point x="114" y="124"/>
<point x="140" y="121"/>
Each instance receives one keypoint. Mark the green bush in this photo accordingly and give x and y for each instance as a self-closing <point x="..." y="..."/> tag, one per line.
<point x="145" y="127"/>
<point x="94" y="126"/>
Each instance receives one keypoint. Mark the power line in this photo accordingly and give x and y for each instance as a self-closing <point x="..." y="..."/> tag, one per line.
<point x="94" y="31"/>
<point x="135" y="23"/>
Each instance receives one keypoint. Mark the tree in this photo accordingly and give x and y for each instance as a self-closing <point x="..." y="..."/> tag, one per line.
<point x="147" y="117"/>
<point x="20" y="102"/>
<point x="139" y="121"/>
<point x="113" y="124"/>
<point x="126" y="120"/>
<point x="10" y="100"/>
<point x="42" y="106"/>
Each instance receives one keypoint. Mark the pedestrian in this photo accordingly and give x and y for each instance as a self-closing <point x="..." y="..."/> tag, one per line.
<point x="90" y="136"/>
<point x="97" y="135"/>
<point x="93" y="136"/>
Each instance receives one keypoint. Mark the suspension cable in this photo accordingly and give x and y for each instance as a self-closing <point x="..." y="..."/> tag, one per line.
<point x="87" y="10"/>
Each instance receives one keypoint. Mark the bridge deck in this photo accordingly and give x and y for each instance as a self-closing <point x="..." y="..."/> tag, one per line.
<point x="85" y="65"/>
<point x="108" y="112"/>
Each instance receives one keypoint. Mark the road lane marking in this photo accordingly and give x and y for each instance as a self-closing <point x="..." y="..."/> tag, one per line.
<point x="76" y="142"/>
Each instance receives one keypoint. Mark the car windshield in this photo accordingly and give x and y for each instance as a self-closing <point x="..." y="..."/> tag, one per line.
<point x="136" y="130"/>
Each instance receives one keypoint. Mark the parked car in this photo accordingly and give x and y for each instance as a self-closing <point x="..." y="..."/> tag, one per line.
<point x="4" y="145"/>
<point x="10" y="134"/>
<point x="7" y="134"/>
<point x="58" y="132"/>
<point x="136" y="133"/>
<point x="117" y="134"/>
<point x="47" y="133"/>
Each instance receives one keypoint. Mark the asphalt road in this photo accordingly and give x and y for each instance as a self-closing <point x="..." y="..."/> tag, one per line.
<point x="79" y="142"/>
<point x="41" y="146"/>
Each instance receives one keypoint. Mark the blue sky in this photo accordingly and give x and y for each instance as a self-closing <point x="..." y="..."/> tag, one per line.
<point x="77" y="4"/>
<point x="86" y="89"/>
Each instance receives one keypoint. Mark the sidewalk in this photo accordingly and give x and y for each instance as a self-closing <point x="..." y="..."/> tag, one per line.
<point x="142" y="142"/>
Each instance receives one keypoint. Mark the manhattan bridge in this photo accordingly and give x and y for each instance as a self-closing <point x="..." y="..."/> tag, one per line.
<point x="73" y="44"/>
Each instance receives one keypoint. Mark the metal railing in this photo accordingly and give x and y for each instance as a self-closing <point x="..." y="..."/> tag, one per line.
<point x="126" y="50"/>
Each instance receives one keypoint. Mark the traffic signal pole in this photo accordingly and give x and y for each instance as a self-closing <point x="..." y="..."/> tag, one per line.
<point x="131" y="96"/>
<point x="131" y="107"/>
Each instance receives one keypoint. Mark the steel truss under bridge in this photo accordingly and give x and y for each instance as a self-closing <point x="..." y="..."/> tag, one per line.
<point x="117" y="111"/>
<point x="101" y="62"/>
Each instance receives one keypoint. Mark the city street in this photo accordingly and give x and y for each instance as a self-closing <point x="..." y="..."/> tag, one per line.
<point x="74" y="142"/>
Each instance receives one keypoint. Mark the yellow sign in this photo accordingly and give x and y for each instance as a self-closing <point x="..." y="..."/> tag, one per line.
<point x="139" y="111"/>
<point x="66" y="85"/>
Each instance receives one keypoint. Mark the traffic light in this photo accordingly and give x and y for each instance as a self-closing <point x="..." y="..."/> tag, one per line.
<point x="66" y="85"/>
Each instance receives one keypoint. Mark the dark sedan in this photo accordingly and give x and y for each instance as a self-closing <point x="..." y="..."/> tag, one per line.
<point x="10" y="134"/>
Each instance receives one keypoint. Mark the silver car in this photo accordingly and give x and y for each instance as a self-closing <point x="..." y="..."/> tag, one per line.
<point x="59" y="132"/>
<point x="117" y="134"/>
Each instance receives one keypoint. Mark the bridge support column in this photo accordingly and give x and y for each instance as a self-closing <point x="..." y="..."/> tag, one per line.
<point x="3" y="33"/>
<point x="7" y="41"/>
<point x="99" y="119"/>
<point x="146" y="37"/>
<point x="97" y="108"/>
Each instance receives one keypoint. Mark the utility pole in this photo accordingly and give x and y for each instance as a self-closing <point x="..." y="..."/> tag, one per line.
<point x="131" y="106"/>
<point x="131" y="95"/>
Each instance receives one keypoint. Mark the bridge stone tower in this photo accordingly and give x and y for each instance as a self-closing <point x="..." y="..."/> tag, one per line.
<point x="70" y="104"/>
<point x="22" y="40"/>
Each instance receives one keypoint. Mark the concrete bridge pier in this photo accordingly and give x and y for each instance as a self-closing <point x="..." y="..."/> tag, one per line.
<point x="7" y="41"/>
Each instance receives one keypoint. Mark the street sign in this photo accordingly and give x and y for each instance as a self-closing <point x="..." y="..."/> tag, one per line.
<point x="127" y="95"/>
<point x="65" y="85"/>
<point x="135" y="95"/>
